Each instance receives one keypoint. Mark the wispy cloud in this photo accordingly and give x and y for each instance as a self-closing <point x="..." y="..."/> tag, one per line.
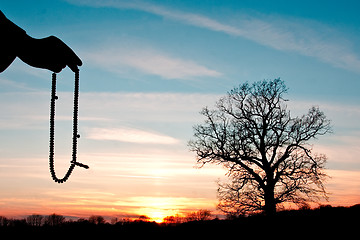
<point x="30" y="110"/>
<point x="8" y="84"/>
<point x="149" y="62"/>
<point x="130" y="135"/>
<point x="163" y="206"/>
<point x="308" y="38"/>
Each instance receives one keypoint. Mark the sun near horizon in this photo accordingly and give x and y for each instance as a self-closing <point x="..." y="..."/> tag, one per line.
<point x="148" y="68"/>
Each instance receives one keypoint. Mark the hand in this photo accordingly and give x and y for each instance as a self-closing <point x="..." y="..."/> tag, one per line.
<point x="49" y="53"/>
<point x="6" y="59"/>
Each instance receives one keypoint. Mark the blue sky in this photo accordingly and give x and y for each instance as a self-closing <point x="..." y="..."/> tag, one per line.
<point x="149" y="68"/>
<point x="234" y="41"/>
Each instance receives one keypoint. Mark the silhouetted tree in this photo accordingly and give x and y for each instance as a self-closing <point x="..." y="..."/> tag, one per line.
<point x="54" y="220"/>
<point x="173" y="219"/>
<point x="95" y="219"/>
<point x="114" y="220"/>
<point x="143" y="218"/>
<point x="200" y="215"/>
<point x="3" y="221"/>
<point x="169" y="219"/>
<point x="265" y="149"/>
<point x="34" y="220"/>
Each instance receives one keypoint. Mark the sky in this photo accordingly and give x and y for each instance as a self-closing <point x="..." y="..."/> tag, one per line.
<point x="149" y="67"/>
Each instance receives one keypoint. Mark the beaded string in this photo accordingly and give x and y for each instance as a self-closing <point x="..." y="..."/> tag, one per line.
<point x="75" y="131"/>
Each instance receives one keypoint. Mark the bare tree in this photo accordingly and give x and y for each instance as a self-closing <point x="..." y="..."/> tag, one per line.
<point x="200" y="215"/>
<point x="265" y="149"/>
<point x="54" y="220"/>
<point x="144" y="218"/>
<point x="174" y="219"/>
<point x="34" y="220"/>
<point x="114" y="220"/>
<point x="3" y="221"/>
<point x="96" y="219"/>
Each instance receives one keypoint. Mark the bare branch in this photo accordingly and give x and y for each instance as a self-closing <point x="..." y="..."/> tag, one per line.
<point x="265" y="150"/>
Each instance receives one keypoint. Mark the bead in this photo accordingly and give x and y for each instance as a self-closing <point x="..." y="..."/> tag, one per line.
<point x="52" y="130"/>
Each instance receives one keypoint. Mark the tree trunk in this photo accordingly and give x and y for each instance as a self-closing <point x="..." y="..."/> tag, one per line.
<point x="270" y="205"/>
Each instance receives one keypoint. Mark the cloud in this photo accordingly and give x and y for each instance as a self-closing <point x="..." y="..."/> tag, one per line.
<point x="9" y="84"/>
<point x="345" y="184"/>
<point x="167" y="206"/>
<point x="129" y="135"/>
<point x="30" y="110"/>
<point x="149" y="62"/>
<point x="308" y="38"/>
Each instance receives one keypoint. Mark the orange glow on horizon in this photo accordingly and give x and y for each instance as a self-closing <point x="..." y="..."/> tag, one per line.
<point x="155" y="212"/>
<point x="152" y="190"/>
<point x="157" y="216"/>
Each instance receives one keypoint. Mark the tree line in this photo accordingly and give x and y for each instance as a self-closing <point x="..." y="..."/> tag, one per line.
<point x="324" y="221"/>
<point x="38" y="220"/>
<point x="202" y="215"/>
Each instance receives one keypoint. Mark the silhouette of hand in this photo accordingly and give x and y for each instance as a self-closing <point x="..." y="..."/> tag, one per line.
<point x="49" y="53"/>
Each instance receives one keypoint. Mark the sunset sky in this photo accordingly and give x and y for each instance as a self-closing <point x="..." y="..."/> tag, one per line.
<point x="149" y="67"/>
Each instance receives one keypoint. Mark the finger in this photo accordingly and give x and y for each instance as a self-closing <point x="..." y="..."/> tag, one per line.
<point x="67" y="56"/>
<point x="71" y="56"/>
<point x="57" y="68"/>
<point x="72" y="60"/>
<point x="73" y="67"/>
<point x="77" y="60"/>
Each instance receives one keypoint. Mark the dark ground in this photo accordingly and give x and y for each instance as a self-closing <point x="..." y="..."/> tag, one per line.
<point x="335" y="222"/>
